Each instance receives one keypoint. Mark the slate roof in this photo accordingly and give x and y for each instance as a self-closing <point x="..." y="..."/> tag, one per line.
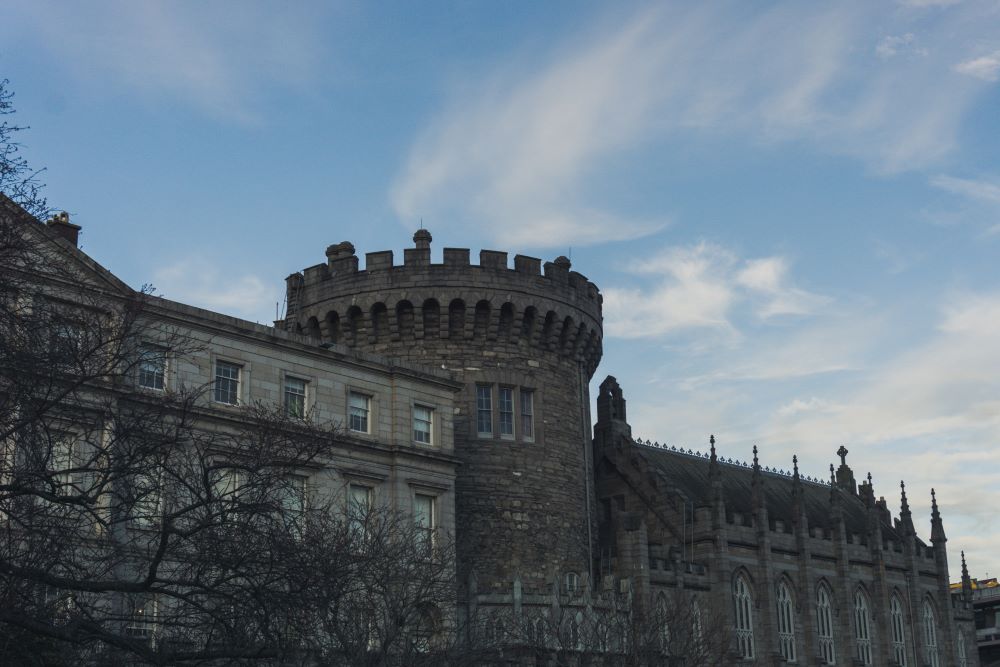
<point x="689" y="474"/>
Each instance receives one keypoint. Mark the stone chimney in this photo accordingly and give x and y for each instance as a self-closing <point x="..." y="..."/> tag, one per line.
<point x="60" y="224"/>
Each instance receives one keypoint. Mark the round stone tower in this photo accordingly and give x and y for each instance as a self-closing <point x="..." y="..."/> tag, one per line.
<point x="525" y="343"/>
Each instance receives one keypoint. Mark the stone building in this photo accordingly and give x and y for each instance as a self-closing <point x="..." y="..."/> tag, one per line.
<point x="467" y="384"/>
<point x="553" y="520"/>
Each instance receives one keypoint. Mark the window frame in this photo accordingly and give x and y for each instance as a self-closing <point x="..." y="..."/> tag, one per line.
<point x="480" y="410"/>
<point x="863" y="628"/>
<point x="786" y="622"/>
<point x="428" y="534"/>
<point x="527" y="417"/>
<point x="145" y="350"/>
<point x="303" y="397"/>
<point x="357" y="514"/>
<point x="743" y="617"/>
<point x="897" y="627"/>
<point x="932" y="652"/>
<point x="369" y="399"/>
<point x="430" y="422"/>
<point x="240" y="380"/>
<point x="824" y="625"/>
<point x="506" y="392"/>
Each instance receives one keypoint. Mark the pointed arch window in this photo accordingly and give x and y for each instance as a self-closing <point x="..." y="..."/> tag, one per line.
<point x="663" y="628"/>
<point x="824" y="623"/>
<point x="898" y="631"/>
<point x="786" y="623"/>
<point x="743" y="603"/>
<point x="863" y="628"/>
<point x="963" y="661"/>
<point x="930" y="635"/>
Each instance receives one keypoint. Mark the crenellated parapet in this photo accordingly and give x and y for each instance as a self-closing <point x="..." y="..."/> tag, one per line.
<point x="546" y="307"/>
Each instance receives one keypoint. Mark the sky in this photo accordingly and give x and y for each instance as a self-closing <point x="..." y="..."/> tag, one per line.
<point x="792" y="209"/>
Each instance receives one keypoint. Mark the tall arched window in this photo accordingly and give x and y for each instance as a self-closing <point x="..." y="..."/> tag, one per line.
<point x="824" y="623"/>
<point x="863" y="628"/>
<point x="898" y="631"/>
<point x="743" y="603"/>
<point x="930" y="635"/>
<point x="786" y="623"/>
<point x="663" y="636"/>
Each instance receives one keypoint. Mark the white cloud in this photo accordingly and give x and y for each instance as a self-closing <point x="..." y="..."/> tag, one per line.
<point x="693" y="292"/>
<point x="890" y="45"/>
<point x="696" y="287"/>
<point x="520" y="150"/>
<point x="981" y="190"/>
<point x="986" y="67"/>
<point x="200" y="282"/>
<point x="217" y="57"/>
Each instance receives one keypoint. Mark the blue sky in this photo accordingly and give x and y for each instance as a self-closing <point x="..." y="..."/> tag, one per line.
<point x="792" y="209"/>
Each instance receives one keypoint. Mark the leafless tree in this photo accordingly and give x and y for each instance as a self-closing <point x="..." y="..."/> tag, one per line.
<point x="17" y="179"/>
<point x="141" y="527"/>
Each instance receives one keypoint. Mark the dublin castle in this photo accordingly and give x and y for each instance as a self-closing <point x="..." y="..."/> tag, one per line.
<point x="464" y="388"/>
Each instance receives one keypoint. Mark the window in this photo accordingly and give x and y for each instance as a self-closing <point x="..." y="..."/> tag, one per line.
<point x="227" y="383"/>
<point x="142" y="620"/>
<point x="422" y="421"/>
<point x="660" y="621"/>
<point x="359" y="409"/>
<point x="292" y="494"/>
<point x="152" y="367"/>
<point x="506" y="412"/>
<point x="527" y="414"/>
<point x="425" y="519"/>
<point x="572" y="583"/>
<point x="145" y="501"/>
<point x="359" y="504"/>
<point x="744" y="617"/>
<point x="824" y="622"/>
<point x="227" y="485"/>
<point x="862" y="628"/>
<point x="898" y="631"/>
<point x="930" y="635"/>
<point x="484" y="410"/>
<point x="295" y="397"/>
<point x="61" y="463"/>
<point x="963" y="661"/>
<point x="786" y="623"/>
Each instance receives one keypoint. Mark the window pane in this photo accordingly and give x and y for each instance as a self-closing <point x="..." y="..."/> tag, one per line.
<point x="424" y="519"/>
<point x="359" y="505"/>
<point x="422" y="424"/>
<point x="506" y="411"/>
<point x="295" y="397"/>
<point x="527" y="414"/>
<point x="227" y="383"/>
<point x="359" y="408"/>
<point x="484" y="410"/>
<point x="152" y="367"/>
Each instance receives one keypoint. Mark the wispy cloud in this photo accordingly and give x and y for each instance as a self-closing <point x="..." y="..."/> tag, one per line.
<point x="977" y="189"/>
<point x="696" y="287"/>
<point x="519" y="150"/>
<point x="217" y="57"/>
<point x="201" y="282"/>
<point x="985" y="67"/>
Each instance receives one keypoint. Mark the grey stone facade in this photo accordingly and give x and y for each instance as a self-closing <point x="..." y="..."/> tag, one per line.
<point x="619" y="513"/>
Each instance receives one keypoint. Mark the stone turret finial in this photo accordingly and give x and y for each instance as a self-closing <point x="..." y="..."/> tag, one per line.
<point x="845" y="476"/>
<point x="422" y="238"/>
<point x="965" y="568"/>
<point x="713" y="461"/>
<point x="905" y="517"/>
<point x="833" y="476"/>
<point x="756" y="463"/>
<point x="795" y="466"/>
<point x="937" y="526"/>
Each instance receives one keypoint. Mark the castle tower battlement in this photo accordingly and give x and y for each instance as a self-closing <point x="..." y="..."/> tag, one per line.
<point x="525" y="342"/>
<point x="376" y="308"/>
